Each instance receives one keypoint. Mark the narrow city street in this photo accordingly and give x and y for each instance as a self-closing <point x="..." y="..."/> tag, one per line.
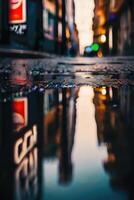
<point x="66" y="128"/>
<point x="67" y="100"/>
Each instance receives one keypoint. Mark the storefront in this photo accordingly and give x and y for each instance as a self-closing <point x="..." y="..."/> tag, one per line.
<point x="36" y="25"/>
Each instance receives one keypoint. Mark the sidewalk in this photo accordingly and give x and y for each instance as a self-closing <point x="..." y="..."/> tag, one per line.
<point x="13" y="53"/>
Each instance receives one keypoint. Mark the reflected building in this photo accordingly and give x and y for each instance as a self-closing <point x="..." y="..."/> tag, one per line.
<point x="21" y="128"/>
<point x="59" y="126"/>
<point x="114" y="117"/>
<point x="38" y="128"/>
<point x="35" y="126"/>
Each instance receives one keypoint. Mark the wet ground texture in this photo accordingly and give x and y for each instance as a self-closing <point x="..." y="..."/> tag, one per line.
<point x="66" y="72"/>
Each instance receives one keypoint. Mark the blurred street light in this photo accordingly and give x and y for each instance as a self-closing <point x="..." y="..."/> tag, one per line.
<point x="95" y="47"/>
<point x="103" y="38"/>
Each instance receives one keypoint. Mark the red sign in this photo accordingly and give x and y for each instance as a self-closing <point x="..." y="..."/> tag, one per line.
<point x="17" y="11"/>
<point x="20" y="112"/>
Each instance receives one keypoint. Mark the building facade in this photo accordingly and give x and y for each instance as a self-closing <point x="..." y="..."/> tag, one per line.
<point x="113" y="26"/>
<point x="39" y="25"/>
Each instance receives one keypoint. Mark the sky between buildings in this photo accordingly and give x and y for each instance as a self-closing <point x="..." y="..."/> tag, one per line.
<point x="84" y="20"/>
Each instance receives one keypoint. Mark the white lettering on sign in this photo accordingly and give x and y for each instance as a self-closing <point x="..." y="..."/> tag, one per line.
<point x="18" y="29"/>
<point x="26" y="176"/>
<point x="24" y="144"/>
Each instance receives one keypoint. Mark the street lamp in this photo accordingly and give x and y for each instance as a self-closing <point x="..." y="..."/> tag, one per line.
<point x="103" y="38"/>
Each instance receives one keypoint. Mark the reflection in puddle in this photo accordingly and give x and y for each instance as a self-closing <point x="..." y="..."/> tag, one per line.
<point x="87" y="157"/>
<point x="20" y="113"/>
<point x="26" y="177"/>
<point x="68" y="144"/>
<point x="19" y="75"/>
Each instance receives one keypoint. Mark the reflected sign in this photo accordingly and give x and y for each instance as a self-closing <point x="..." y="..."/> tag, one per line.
<point x="20" y="113"/>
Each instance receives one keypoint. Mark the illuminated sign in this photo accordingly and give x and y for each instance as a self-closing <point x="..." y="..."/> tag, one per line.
<point x="25" y="144"/>
<point x="26" y="177"/>
<point x="20" y="113"/>
<point x="26" y="161"/>
<point x="17" y="11"/>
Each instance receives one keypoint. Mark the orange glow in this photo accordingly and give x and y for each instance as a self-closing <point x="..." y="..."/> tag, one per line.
<point x="49" y="6"/>
<point x="110" y="38"/>
<point x="104" y="91"/>
<point x="67" y="33"/>
<point x="100" y="31"/>
<point x="111" y="93"/>
<point x="111" y="157"/>
<point x="100" y="54"/>
<point x="102" y="20"/>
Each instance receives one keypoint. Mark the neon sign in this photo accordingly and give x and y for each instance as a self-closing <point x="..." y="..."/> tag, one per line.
<point x="17" y="11"/>
<point x="24" y="144"/>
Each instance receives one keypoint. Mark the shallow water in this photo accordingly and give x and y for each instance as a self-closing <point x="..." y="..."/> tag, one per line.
<point x="71" y="143"/>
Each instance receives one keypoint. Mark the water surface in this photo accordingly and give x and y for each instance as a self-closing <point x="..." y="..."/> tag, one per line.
<point x="71" y="143"/>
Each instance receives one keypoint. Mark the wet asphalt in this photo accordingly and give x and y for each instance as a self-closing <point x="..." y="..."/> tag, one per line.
<point x="23" y="75"/>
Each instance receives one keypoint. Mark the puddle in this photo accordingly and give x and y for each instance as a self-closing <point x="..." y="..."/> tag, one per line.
<point x="67" y="143"/>
<point x="66" y="133"/>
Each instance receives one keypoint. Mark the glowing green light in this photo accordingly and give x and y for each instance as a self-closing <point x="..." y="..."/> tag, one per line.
<point x="95" y="47"/>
